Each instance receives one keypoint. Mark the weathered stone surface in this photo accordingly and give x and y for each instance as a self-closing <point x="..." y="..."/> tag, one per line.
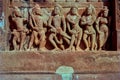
<point x="93" y="0"/>
<point x="81" y="0"/>
<point x="70" y="0"/>
<point x="49" y="0"/>
<point x="67" y="4"/>
<point x="31" y="76"/>
<point x="60" y="0"/>
<point x="108" y="76"/>
<point x="81" y="62"/>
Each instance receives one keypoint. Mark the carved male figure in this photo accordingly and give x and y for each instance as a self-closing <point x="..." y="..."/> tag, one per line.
<point x="102" y="27"/>
<point x="37" y="26"/>
<point x="19" y="31"/>
<point x="58" y="28"/>
<point x="89" y="35"/>
<point x="74" y="29"/>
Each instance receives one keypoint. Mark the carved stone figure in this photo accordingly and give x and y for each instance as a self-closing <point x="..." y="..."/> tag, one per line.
<point x="74" y="29"/>
<point x="102" y="27"/>
<point x="37" y="23"/>
<point x="58" y="28"/>
<point x="19" y="31"/>
<point x="89" y="34"/>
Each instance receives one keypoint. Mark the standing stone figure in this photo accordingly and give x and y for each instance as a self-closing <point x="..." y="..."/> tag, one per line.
<point x="89" y="34"/>
<point x="37" y="23"/>
<point x="19" y="31"/>
<point x="58" y="28"/>
<point x="102" y="27"/>
<point x="73" y="19"/>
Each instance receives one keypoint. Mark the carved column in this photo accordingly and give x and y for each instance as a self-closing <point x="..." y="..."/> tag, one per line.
<point x="116" y="26"/>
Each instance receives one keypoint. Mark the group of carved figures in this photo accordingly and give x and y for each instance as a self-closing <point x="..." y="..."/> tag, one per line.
<point x="69" y="29"/>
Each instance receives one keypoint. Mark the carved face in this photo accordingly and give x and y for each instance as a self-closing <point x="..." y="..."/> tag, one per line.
<point x="37" y="11"/>
<point x="74" y="11"/>
<point x="89" y="10"/>
<point x="105" y="13"/>
<point x="18" y="13"/>
<point x="56" y="10"/>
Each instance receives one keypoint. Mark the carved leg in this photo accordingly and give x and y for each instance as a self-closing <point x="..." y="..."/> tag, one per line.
<point x="72" y="42"/>
<point x="36" y="40"/>
<point x="42" y="42"/>
<point x="78" y="41"/>
<point x="31" y="41"/>
<point x="101" y="40"/>
<point x="105" y="37"/>
<point x="93" y="38"/>
<point x="22" y="37"/>
<point x="14" y="41"/>
<point x="85" y="41"/>
<point x="51" y="39"/>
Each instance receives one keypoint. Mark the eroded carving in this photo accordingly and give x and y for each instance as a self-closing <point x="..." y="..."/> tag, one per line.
<point x="102" y="27"/>
<point x="89" y="34"/>
<point x="37" y="23"/>
<point x="74" y="29"/>
<point x="58" y="28"/>
<point x="19" y="31"/>
<point x="64" y="31"/>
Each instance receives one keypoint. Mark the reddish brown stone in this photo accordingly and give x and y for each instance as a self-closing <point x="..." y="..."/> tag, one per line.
<point x="70" y="0"/>
<point x="49" y="0"/>
<point x="93" y="0"/>
<point x="60" y="0"/>
<point x="81" y="0"/>
<point x="82" y="62"/>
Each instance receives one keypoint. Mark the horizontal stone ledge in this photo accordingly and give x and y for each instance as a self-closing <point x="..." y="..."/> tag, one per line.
<point x="109" y="76"/>
<point x="63" y="4"/>
<point x="81" y="62"/>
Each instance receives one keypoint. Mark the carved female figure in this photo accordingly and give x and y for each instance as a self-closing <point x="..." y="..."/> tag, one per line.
<point x="102" y="27"/>
<point x="74" y="29"/>
<point x="87" y="21"/>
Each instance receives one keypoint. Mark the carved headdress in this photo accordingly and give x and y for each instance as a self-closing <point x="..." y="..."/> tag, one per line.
<point x="93" y="9"/>
<point x="15" y="10"/>
<point x="60" y="7"/>
<point x="75" y="6"/>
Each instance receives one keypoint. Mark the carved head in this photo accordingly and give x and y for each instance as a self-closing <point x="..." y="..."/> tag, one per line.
<point x="74" y="10"/>
<point x="57" y="9"/>
<point x="105" y="11"/>
<point x="90" y="10"/>
<point x="17" y="12"/>
<point x="36" y="10"/>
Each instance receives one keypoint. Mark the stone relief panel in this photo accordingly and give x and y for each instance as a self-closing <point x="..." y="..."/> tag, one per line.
<point x="51" y="29"/>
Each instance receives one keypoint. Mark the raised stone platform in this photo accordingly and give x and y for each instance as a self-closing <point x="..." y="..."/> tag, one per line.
<point x="102" y="65"/>
<point x="81" y="62"/>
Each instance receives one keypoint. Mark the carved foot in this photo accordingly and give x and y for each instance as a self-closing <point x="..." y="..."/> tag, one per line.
<point x="78" y="49"/>
<point x="87" y="49"/>
<point x="56" y="49"/>
<point x="100" y="49"/>
<point x="43" y="49"/>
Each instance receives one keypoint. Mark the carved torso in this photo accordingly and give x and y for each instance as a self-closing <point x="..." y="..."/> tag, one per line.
<point x="19" y="23"/>
<point x="38" y="21"/>
<point x="56" y="21"/>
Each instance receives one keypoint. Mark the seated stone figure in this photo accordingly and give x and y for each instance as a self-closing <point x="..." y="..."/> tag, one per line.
<point x="102" y="27"/>
<point x="58" y="28"/>
<point x="89" y="34"/>
<point x="37" y="23"/>
<point x="74" y="29"/>
<point x="19" y="31"/>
